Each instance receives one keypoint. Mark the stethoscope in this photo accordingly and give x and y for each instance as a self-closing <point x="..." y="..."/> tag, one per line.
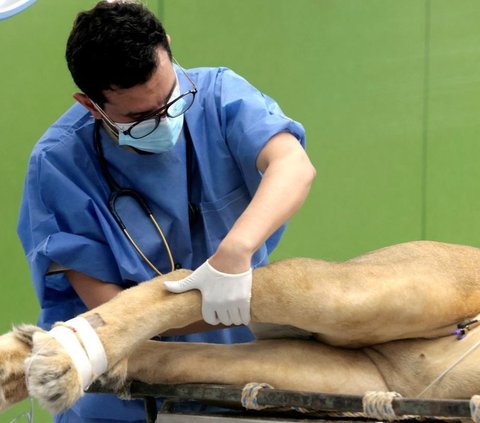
<point x="116" y="192"/>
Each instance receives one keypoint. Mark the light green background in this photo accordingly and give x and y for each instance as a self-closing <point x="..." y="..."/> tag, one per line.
<point x="388" y="90"/>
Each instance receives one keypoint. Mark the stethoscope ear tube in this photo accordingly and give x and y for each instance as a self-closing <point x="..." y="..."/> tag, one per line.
<point x="125" y="192"/>
<point x="112" y="184"/>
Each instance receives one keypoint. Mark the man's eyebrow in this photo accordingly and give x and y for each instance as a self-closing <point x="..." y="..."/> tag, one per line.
<point x="140" y="115"/>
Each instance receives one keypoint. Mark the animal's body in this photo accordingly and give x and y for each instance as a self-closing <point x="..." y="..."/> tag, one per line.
<point x="382" y="321"/>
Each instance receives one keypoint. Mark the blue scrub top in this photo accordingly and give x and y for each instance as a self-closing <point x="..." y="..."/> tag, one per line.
<point x="64" y="216"/>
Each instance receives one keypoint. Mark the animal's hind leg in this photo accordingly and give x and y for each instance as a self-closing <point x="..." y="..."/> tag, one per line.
<point x="284" y="364"/>
<point x="417" y="289"/>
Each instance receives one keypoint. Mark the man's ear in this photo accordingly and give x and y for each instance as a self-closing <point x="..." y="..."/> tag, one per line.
<point x="87" y="103"/>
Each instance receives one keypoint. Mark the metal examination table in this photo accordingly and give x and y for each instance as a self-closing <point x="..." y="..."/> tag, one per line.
<point x="315" y="407"/>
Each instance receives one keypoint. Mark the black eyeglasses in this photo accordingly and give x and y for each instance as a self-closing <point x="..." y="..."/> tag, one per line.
<point x="174" y="108"/>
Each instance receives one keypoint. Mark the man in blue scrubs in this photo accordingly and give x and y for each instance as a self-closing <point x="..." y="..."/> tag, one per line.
<point x="216" y="161"/>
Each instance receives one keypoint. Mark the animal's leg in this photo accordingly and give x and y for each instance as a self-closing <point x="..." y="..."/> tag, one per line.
<point x="121" y="324"/>
<point x="285" y="364"/>
<point x="409" y="290"/>
<point x="406" y="366"/>
<point x="15" y="347"/>
<point x="418" y="289"/>
<point x="396" y="292"/>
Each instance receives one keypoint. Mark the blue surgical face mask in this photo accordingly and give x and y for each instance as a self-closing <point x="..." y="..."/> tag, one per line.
<point x="161" y="140"/>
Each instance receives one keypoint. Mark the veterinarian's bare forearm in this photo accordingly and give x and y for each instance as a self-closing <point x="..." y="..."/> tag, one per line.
<point x="287" y="177"/>
<point x="196" y="327"/>
<point x="92" y="292"/>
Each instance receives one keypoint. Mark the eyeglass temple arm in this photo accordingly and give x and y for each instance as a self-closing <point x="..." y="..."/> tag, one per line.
<point x="185" y="73"/>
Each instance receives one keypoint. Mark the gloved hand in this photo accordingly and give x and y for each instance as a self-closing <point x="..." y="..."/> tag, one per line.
<point x="225" y="297"/>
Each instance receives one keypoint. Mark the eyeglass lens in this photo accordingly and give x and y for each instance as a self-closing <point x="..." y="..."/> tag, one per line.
<point x="175" y="109"/>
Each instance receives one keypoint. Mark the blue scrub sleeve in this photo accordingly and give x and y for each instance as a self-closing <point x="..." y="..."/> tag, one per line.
<point x="249" y="120"/>
<point x="46" y="235"/>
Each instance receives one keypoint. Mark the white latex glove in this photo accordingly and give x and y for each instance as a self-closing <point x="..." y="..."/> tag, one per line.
<point x="225" y="297"/>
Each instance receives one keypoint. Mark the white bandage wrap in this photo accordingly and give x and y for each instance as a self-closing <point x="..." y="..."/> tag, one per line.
<point x="92" y="345"/>
<point x="82" y="344"/>
<point x="69" y="341"/>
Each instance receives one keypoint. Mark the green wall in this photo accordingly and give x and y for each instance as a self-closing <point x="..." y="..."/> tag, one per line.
<point x="353" y="73"/>
<point x="388" y="90"/>
<point x="388" y="93"/>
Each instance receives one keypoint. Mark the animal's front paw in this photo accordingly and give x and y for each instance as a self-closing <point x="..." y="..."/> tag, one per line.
<point x="52" y="377"/>
<point x="15" y="347"/>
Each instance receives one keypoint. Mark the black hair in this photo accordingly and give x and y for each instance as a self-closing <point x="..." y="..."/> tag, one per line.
<point x="114" y="45"/>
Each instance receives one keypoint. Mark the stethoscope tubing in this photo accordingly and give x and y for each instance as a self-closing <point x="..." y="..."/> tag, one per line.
<point x="116" y="192"/>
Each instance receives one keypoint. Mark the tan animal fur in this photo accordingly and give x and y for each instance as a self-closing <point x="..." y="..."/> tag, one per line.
<point x="381" y="322"/>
